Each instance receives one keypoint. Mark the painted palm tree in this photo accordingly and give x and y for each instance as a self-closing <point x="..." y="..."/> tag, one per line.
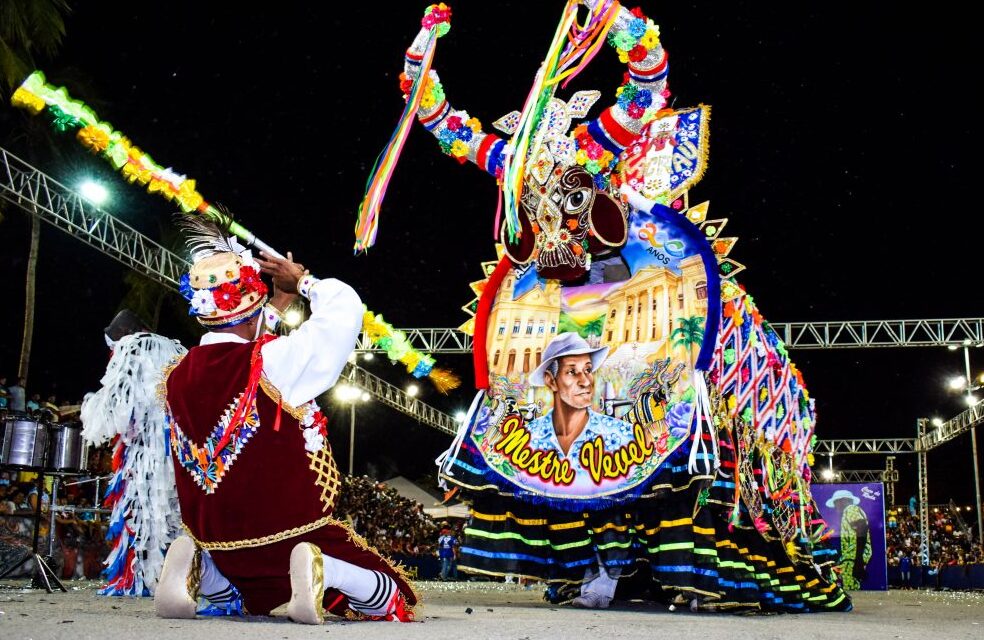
<point x="593" y="327"/>
<point x="592" y="330"/>
<point x="28" y="28"/>
<point x="689" y="334"/>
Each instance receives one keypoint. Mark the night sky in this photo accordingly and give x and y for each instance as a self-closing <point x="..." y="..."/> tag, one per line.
<point x="842" y="146"/>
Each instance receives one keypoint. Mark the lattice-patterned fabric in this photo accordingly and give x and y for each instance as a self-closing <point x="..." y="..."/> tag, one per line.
<point x="762" y="384"/>
<point x="323" y="463"/>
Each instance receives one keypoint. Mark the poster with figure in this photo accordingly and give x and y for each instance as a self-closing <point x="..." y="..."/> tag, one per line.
<point x="622" y="343"/>
<point x="856" y="515"/>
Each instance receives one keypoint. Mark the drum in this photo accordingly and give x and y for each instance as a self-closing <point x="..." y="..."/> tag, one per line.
<point x="67" y="452"/>
<point x="22" y="441"/>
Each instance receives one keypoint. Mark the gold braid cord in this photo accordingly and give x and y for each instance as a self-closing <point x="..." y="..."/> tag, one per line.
<point x="252" y="543"/>
<point x="162" y="382"/>
<point x="323" y="464"/>
<point x="746" y="476"/>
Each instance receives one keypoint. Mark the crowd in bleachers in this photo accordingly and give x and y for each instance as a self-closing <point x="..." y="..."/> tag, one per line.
<point x="19" y="400"/>
<point x="950" y="540"/>
<point x="393" y="524"/>
<point x="80" y="530"/>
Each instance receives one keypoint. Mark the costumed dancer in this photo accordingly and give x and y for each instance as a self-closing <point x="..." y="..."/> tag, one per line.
<point x="145" y="516"/>
<point x="699" y="467"/>
<point x="254" y="471"/>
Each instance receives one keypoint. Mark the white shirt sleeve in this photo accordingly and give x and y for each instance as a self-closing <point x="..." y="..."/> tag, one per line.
<point x="307" y="362"/>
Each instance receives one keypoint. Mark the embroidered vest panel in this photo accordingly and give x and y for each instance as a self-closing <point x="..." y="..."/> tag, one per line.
<point x="264" y="482"/>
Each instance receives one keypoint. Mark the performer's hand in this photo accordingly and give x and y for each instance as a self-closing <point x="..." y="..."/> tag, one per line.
<point x="285" y="272"/>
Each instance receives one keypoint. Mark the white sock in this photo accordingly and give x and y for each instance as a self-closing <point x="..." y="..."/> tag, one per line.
<point x="598" y="580"/>
<point x="215" y="587"/>
<point x="369" y="592"/>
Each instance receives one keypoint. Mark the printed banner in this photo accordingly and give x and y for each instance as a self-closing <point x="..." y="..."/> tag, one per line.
<point x="856" y="514"/>
<point x="623" y="344"/>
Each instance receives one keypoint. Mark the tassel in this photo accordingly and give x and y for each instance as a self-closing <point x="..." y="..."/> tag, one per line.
<point x="703" y="412"/>
<point x="444" y="380"/>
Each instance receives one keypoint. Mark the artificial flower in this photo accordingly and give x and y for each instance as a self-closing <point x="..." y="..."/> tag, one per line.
<point x="313" y="440"/>
<point x="93" y="138"/>
<point x="624" y="41"/>
<point x="202" y="303"/>
<point x="650" y="39"/>
<point x="184" y="287"/>
<point x="227" y="296"/>
<point x="637" y="27"/>
<point x="459" y="149"/>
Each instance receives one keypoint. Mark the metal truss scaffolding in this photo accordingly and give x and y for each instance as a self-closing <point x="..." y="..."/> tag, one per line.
<point x="39" y="194"/>
<point x="889" y="476"/>
<point x="859" y="334"/>
<point x="862" y="475"/>
<point x="395" y="397"/>
<point x="952" y="428"/>
<point x="923" y="480"/>
<point x="868" y="446"/>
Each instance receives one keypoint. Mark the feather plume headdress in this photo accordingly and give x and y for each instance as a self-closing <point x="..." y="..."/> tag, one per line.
<point x="223" y="285"/>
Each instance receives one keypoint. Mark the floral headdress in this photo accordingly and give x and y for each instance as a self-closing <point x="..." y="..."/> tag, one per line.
<point x="223" y="286"/>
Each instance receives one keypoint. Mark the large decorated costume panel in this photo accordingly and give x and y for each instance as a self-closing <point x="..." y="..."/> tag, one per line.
<point x="648" y="309"/>
<point x="634" y="406"/>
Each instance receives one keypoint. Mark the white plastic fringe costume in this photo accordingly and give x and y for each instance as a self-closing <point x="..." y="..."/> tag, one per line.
<point x="146" y="516"/>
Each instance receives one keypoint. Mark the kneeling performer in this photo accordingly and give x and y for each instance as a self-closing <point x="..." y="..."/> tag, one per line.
<point x="255" y="475"/>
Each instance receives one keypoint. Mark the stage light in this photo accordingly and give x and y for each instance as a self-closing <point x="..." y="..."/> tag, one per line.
<point x="365" y="396"/>
<point x="827" y="474"/>
<point x="460" y="417"/>
<point x="93" y="192"/>
<point x="413" y="390"/>
<point x="937" y="422"/>
<point x="971" y="400"/>
<point x="347" y="393"/>
<point x="957" y="382"/>
<point x="368" y="357"/>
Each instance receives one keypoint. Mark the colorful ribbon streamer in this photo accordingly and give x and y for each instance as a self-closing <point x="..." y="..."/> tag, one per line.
<point x="438" y="17"/>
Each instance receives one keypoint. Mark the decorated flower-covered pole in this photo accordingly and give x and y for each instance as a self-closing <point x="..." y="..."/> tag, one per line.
<point x="37" y="96"/>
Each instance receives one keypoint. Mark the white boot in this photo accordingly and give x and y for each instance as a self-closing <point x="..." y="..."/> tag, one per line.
<point x="307" y="584"/>
<point x="177" y="590"/>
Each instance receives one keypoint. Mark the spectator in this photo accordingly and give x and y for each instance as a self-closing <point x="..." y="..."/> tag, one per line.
<point x="34" y="404"/>
<point x="447" y="545"/>
<point x="905" y="567"/>
<point x="18" y="396"/>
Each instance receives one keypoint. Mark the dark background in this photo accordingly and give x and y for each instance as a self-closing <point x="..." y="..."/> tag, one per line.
<point x="843" y="144"/>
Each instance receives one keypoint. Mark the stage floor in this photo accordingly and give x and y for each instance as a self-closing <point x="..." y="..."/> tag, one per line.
<point x="497" y="611"/>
